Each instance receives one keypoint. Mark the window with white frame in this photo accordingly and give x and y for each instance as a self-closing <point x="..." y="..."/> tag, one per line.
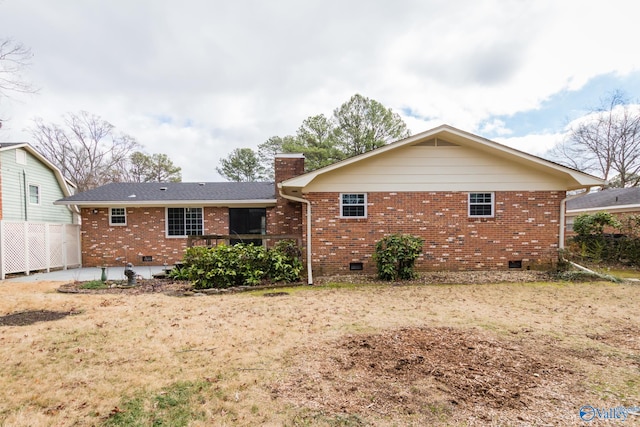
<point x="117" y="216"/>
<point x="34" y="194"/>
<point x="481" y="205"/>
<point x="184" y="222"/>
<point x="353" y="205"/>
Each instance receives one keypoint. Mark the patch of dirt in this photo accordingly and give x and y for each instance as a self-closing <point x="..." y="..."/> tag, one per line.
<point x="30" y="317"/>
<point x="626" y="337"/>
<point x="436" y="374"/>
<point x="449" y="277"/>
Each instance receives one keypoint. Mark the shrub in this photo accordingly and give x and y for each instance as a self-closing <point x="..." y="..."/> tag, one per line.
<point x="590" y="224"/>
<point x="225" y="266"/>
<point x="395" y="256"/>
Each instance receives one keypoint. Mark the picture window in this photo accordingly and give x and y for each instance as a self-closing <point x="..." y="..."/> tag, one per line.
<point x="184" y="222"/>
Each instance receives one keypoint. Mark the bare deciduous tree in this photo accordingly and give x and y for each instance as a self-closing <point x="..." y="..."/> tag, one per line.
<point x="87" y="149"/>
<point x="606" y="142"/>
<point x="14" y="59"/>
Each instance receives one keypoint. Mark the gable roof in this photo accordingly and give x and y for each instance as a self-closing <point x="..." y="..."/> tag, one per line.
<point x="64" y="183"/>
<point x="570" y="178"/>
<point x="612" y="199"/>
<point x="175" y="193"/>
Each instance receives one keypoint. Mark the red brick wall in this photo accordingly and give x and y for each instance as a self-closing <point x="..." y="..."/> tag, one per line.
<point x="286" y="218"/>
<point x="525" y="228"/>
<point x="144" y="234"/>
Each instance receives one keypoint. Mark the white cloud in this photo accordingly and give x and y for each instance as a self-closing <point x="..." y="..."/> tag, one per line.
<point x="536" y="144"/>
<point x="196" y="79"/>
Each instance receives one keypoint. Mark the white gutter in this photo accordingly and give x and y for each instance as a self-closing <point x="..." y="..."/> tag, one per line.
<point x="308" y="203"/>
<point x="563" y="207"/>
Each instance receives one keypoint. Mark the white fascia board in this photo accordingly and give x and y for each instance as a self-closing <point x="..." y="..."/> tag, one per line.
<point x="619" y="208"/>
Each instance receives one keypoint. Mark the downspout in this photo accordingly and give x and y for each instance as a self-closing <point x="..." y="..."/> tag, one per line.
<point x="308" y="203"/>
<point x="26" y="195"/>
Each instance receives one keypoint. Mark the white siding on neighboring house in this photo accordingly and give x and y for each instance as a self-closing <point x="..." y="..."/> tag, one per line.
<point x="16" y="179"/>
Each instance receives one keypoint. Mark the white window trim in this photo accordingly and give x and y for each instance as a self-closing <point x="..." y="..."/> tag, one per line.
<point x="493" y="204"/>
<point x="117" y="224"/>
<point x="39" y="202"/>
<point x="166" y="221"/>
<point x="354" y="217"/>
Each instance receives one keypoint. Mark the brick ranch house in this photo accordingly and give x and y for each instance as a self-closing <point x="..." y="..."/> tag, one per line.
<point x="477" y="204"/>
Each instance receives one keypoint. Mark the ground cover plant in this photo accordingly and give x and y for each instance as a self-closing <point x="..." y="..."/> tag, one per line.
<point x="344" y="353"/>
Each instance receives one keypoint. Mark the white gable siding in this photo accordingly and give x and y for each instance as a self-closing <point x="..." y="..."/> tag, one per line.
<point x="424" y="168"/>
<point x="16" y="179"/>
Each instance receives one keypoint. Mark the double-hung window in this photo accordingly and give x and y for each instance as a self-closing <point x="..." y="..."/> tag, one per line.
<point x="481" y="205"/>
<point x="184" y="222"/>
<point x="117" y="216"/>
<point x="34" y="194"/>
<point x="353" y="205"/>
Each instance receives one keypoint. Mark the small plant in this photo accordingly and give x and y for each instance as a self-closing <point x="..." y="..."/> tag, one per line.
<point x="94" y="284"/>
<point x="395" y="256"/>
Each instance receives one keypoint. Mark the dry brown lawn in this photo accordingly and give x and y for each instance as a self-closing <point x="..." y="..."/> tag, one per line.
<point x="351" y="355"/>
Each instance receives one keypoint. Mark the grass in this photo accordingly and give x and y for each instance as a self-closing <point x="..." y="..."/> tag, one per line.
<point x="94" y="284"/>
<point x="175" y="405"/>
<point x="154" y="359"/>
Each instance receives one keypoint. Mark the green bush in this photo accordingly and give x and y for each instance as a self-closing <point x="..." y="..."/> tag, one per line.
<point x="592" y="244"/>
<point x="395" y="256"/>
<point x="226" y="266"/>
<point x="593" y="224"/>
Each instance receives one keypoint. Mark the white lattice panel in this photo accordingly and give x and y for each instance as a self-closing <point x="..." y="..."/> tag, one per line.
<point x="72" y="244"/>
<point x="56" y="245"/>
<point x="15" y="247"/>
<point x="38" y="259"/>
<point x="38" y="246"/>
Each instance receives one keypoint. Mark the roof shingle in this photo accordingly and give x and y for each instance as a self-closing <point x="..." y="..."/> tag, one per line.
<point x="606" y="198"/>
<point x="163" y="192"/>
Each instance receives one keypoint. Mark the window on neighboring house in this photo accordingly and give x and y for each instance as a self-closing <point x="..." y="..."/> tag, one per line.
<point x="481" y="205"/>
<point x="34" y="194"/>
<point x="570" y="221"/>
<point x="117" y="216"/>
<point x="353" y="205"/>
<point x="184" y="221"/>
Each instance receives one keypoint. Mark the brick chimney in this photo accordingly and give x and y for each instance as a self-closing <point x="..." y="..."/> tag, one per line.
<point x="288" y="166"/>
<point x="286" y="217"/>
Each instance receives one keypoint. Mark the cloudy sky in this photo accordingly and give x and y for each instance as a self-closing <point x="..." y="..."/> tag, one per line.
<point x="195" y="79"/>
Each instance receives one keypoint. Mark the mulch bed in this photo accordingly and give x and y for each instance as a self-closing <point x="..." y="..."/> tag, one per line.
<point x="24" y="318"/>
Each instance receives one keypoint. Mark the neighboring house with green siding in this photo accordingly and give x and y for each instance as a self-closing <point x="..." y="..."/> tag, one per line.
<point x="33" y="231"/>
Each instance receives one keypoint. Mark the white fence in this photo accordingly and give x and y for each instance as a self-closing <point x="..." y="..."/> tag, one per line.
<point x="35" y="246"/>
